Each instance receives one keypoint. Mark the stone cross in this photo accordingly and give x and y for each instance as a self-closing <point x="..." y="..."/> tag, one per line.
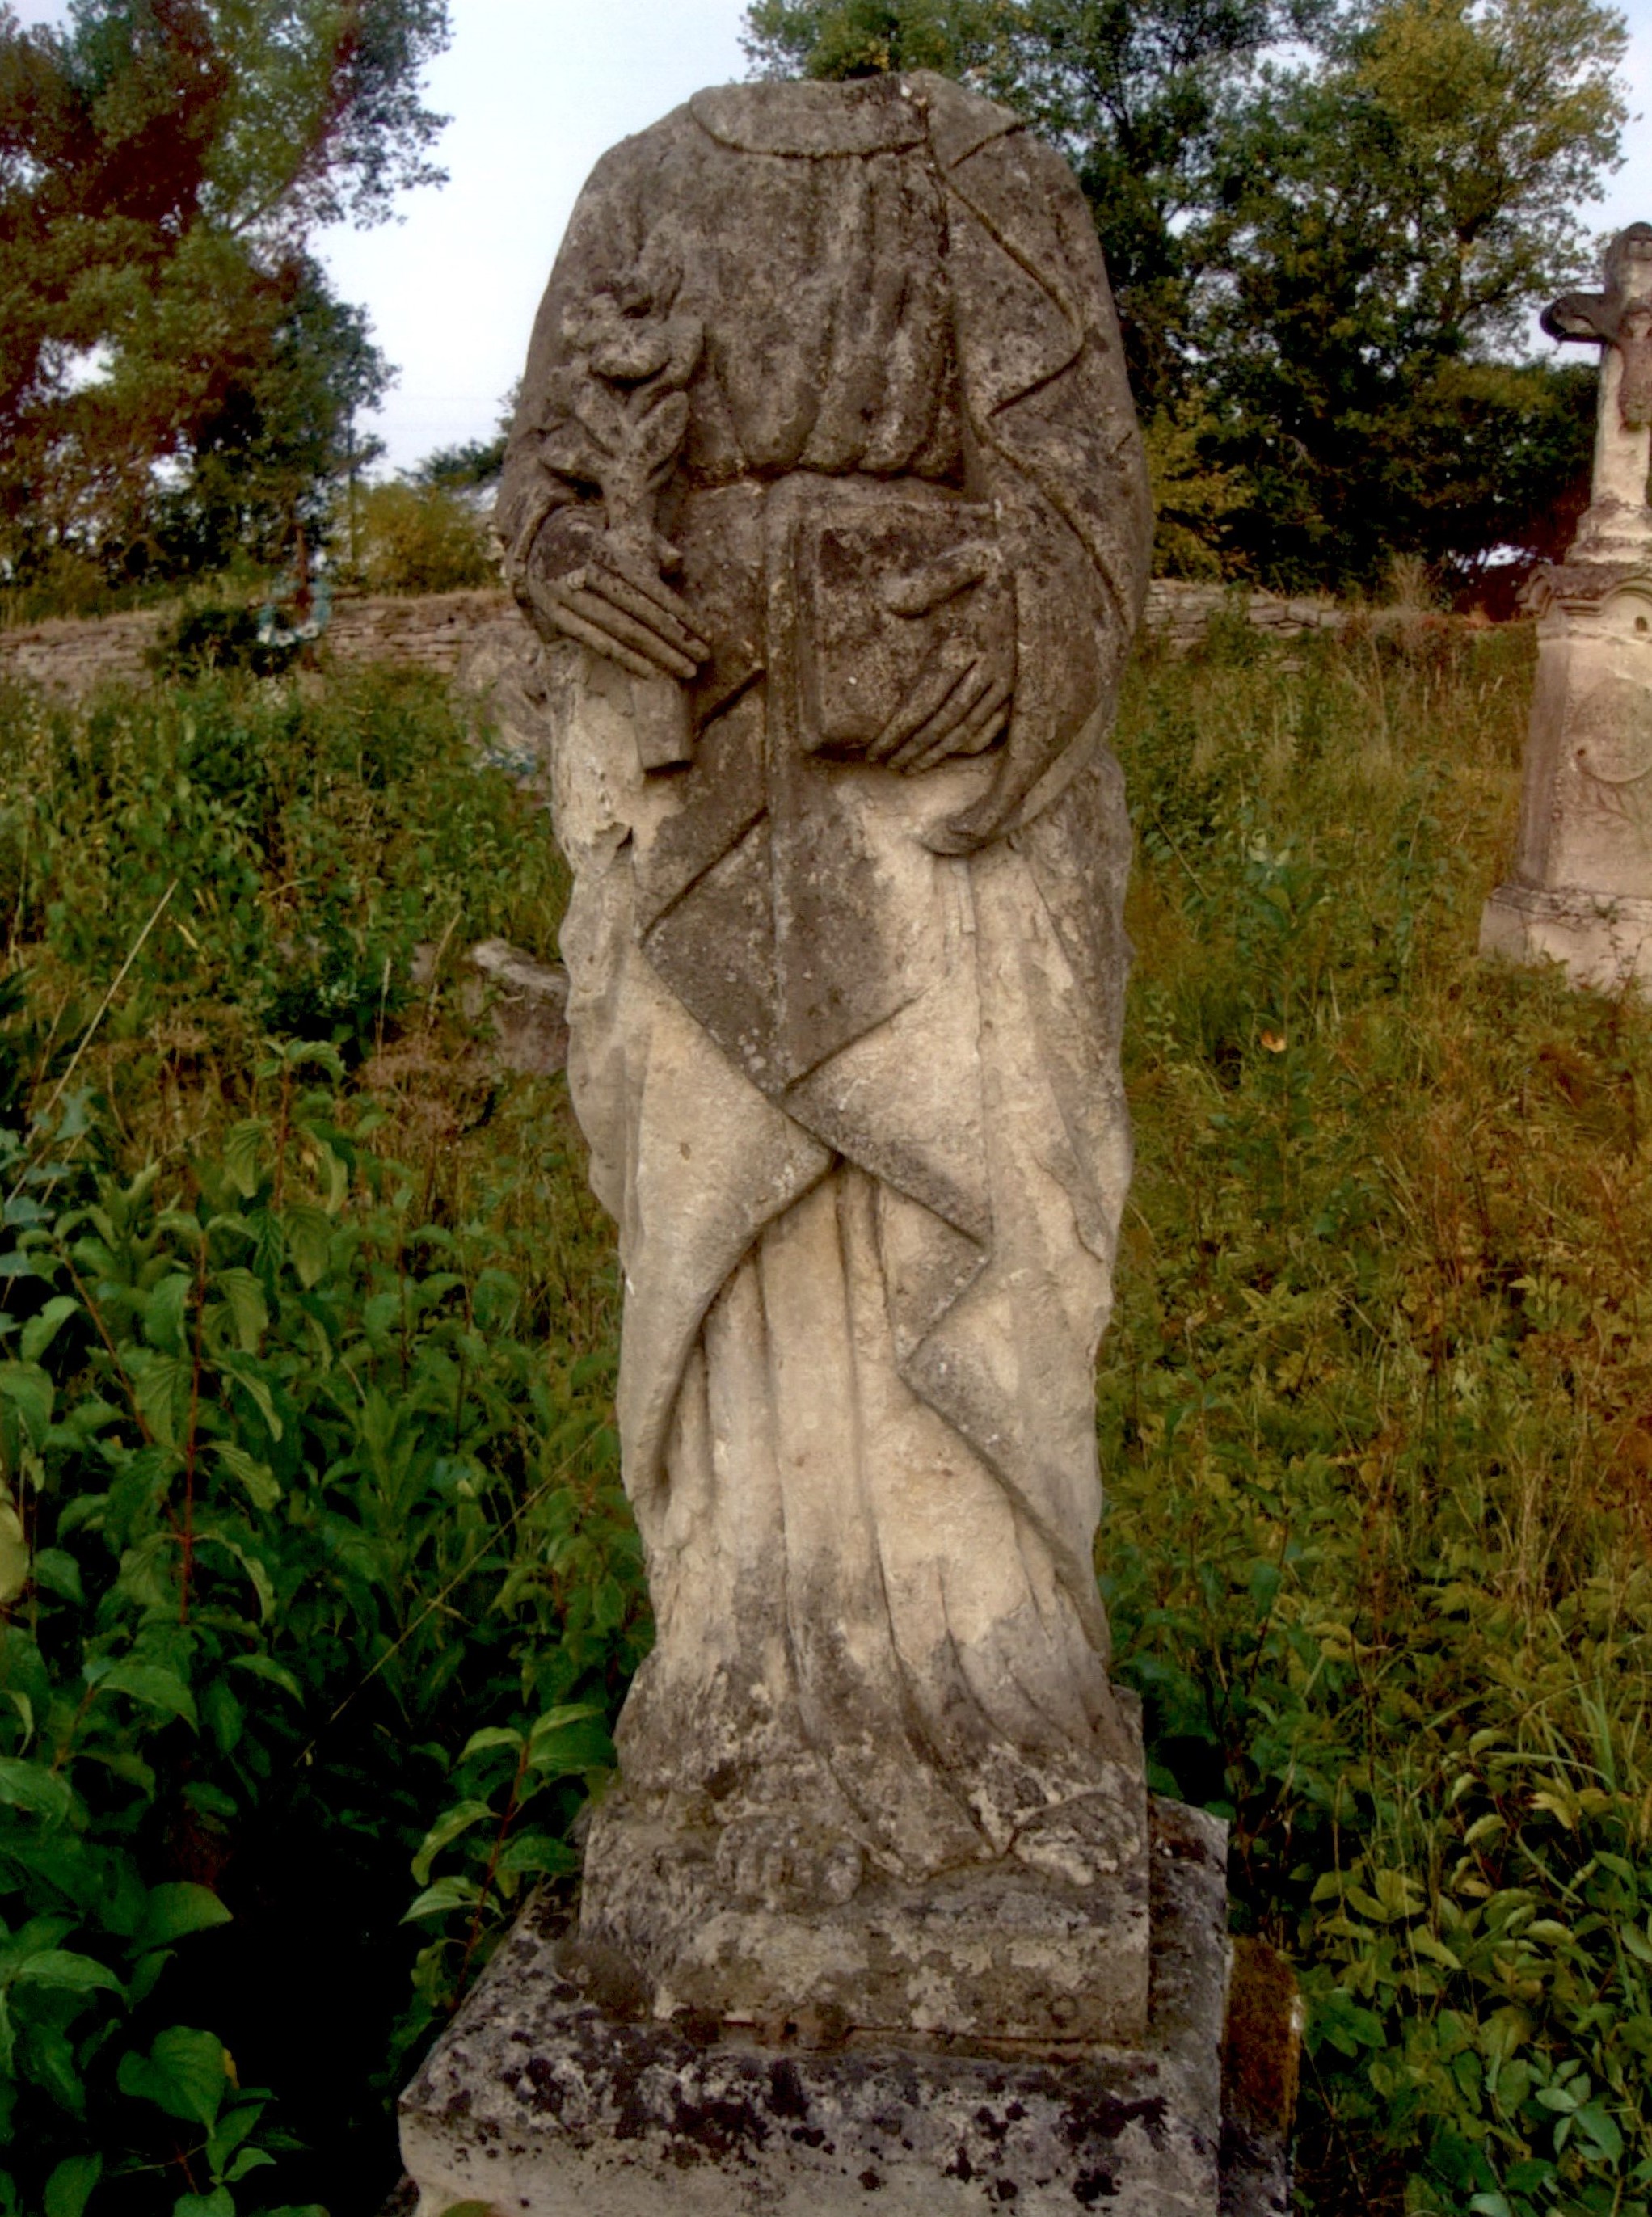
<point x="1581" y="890"/>
<point x="1617" y="319"/>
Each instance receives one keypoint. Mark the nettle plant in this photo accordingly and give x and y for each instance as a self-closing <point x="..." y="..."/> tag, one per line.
<point x="267" y="1439"/>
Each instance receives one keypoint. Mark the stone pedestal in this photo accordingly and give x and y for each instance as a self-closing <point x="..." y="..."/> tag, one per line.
<point x="1581" y="893"/>
<point x="556" y="2095"/>
<point x="795" y="1929"/>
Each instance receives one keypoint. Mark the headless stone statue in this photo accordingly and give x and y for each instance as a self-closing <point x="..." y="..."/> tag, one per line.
<point x="826" y="493"/>
<point x="826" y="478"/>
<point x="1582" y="889"/>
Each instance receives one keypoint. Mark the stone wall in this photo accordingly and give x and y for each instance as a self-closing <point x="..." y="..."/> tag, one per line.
<point x="1180" y="614"/>
<point x="435" y="632"/>
<point x="481" y="636"/>
<point x="73" y="657"/>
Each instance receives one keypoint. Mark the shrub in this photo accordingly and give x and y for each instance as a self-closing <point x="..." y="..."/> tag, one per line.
<point x="419" y="539"/>
<point x="208" y="638"/>
<point x="269" y="1438"/>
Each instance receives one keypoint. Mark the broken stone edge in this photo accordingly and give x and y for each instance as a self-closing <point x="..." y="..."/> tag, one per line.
<point x="1600" y="940"/>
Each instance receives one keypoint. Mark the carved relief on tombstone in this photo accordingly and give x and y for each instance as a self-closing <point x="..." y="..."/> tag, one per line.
<point x="827" y="493"/>
<point x="1582" y="889"/>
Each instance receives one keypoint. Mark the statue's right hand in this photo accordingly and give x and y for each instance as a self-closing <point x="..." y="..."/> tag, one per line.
<point x="614" y="603"/>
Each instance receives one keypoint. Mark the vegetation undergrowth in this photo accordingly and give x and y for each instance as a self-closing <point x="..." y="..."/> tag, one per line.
<point x="1377" y="1415"/>
<point x="311" y="1550"/>
<point x="319" y="1591"/>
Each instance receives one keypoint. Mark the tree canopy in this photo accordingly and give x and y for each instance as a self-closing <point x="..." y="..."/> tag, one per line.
<point x="176" y="376"/>
<point x="1327" y="226"/>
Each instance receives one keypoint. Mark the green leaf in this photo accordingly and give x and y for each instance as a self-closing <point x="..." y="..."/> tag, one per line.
<point x="445" y="1894"/>
<point x="1336" y="2016"/>
<point x="242" y="1146"/>
<point x="246" y="1376"/>
<point x="446" y="1830"/>
<point x="309" y="1240"/>
<point x="27" y="1386"/>
<point x="173" y="1911"/>
<point x="491" y="1736"/>
<point x="69" y="2187"/>
<point x="55" y="1570"/>
<point x="68" y="1972"/>
<point x="185" y="2073"/>
<point x="248" y="1307"/>
<point x="1601" y="2129"/>
<point x="572" y="1748"/>
<point x="220" y="2202"/>
<point x="571" y="1712"/>
<point x="260" y="1483"/>
<point x="156" y="1687"/>
<point x="41" y="1330"/>
<point x="261" y="1582"/>
<point x="160" y="1387"/>
<point x="264" y="1666"/>
<point x="234" y="2125"/>
<point x="14" y="1553"/>
<point x="53" y="2065"/>
<point x="165" y="1306"/>
<point x="32" y="1787"/>
<point x="537" y="1852"/>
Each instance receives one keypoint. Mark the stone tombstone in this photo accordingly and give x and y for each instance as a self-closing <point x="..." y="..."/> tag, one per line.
<point x="826" y="492"/>
<point x="1582" y="889"/>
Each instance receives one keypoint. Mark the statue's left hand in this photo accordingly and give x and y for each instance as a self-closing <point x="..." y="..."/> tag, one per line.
<point x="959" y="709"/>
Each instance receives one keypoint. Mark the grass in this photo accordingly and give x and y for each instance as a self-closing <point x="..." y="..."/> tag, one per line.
<point x="1376" y="1406"/>
<point x="1376" y="1411"/>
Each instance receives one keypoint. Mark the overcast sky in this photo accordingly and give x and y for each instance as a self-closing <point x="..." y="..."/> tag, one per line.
<point x="537" y="89"/>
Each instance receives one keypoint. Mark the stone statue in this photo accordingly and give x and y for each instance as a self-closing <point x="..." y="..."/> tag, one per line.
<point x="1581" y="891"/>
<point x="826" y="490"/>
<point x="826" y="457"/>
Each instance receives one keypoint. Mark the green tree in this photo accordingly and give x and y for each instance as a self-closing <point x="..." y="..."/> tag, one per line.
<point x="1327" y="228"/>
<point x="1382" y="224"/>
<point x="1136" y="94"/>
<point x="176" y="376"/>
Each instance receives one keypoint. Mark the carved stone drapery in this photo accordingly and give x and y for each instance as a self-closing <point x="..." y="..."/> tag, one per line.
<point x="825" y="425"/>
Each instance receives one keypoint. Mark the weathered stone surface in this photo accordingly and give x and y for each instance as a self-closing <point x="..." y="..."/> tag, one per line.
<point x="1616" y="525"/>
<point x="1581" y="893"/>
<point x="826" y="495"/>
<point x="991" y="1953"/>
<point x="1178" y="612"/>
<point x="529" y="1003"/>
<point x="555" y="2094"/>
<point x="1261" y="2059"/>
<point x="72" y="656"/>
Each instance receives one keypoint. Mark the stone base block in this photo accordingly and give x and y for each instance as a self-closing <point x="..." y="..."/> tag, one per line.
<point x="1602" y="940"/>
<point x="1001" y="1953"/>
<point x="547" y="2098"/>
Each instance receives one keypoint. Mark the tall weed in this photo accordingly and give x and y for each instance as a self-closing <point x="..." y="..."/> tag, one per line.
<point x="1374" y="1413"/>
<point x="309" y="1480"/>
